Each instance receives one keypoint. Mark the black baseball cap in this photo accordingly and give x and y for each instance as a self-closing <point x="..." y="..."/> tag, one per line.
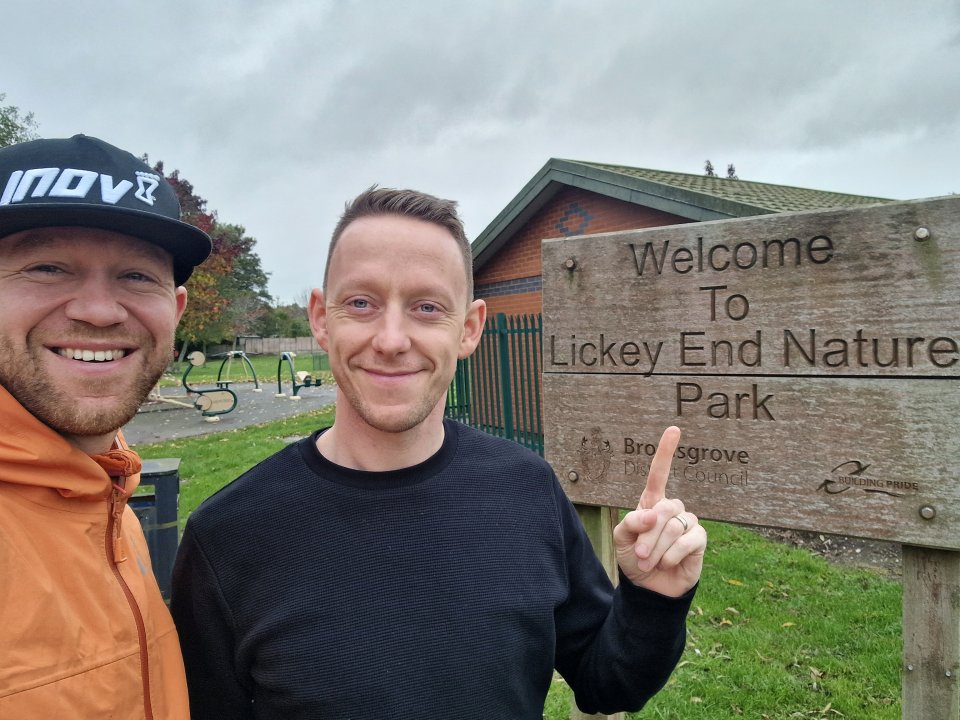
<point x="85" y="182"/>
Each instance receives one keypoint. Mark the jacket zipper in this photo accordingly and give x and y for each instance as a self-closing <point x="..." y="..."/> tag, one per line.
<point x="116" y="553"/>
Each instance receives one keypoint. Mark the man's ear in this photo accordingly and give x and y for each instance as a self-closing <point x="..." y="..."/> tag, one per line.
<point x="317" y="313"/>
<point x="472" y="328"/>
<point x="181" y="297"/>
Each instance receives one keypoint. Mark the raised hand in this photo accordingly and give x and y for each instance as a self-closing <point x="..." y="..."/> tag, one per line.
<point x="660" y="546"/>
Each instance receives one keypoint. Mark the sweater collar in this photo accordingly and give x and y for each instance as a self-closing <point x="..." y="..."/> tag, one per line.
<point x="389" y="480"/>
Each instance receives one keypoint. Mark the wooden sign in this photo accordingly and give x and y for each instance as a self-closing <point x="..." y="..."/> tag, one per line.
<point x="812" y="361"/>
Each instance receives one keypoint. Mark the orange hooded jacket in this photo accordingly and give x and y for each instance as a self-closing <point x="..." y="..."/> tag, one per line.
<point x="84" y="632"/>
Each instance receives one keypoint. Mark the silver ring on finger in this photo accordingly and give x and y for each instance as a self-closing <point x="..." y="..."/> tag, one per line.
<point x="683" y="521"/>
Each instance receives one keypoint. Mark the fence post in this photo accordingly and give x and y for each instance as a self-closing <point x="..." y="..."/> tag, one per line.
<point x="931" y="633"/>
<point x="503" y="345"/>
<point x="464" y="392"/>
<point x="599" y="523"/>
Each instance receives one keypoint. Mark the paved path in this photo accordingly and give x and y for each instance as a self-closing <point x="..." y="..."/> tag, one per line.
<point x="158" y="421"/>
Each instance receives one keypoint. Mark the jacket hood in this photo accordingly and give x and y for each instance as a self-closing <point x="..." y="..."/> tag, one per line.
<point x="33" y="454"/>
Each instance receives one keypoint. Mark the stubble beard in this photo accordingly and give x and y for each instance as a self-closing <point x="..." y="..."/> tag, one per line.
<point x="56" y="407"/>
<point x="388" y="420"/>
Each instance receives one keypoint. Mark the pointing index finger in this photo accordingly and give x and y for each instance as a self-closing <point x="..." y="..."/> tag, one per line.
<point x="656" y="488"/>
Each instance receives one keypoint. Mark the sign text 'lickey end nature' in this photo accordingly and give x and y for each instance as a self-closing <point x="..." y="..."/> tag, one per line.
<point x="812" y="361"/>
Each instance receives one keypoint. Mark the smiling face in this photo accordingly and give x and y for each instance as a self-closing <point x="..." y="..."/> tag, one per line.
<point x="395" y="318"/>
<point x="87" y="327"/>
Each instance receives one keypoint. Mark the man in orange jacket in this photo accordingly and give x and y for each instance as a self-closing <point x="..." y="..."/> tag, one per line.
<point x="93" y="257"/>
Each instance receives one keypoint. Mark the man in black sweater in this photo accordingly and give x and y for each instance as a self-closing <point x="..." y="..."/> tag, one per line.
<point x="399" y="565"/>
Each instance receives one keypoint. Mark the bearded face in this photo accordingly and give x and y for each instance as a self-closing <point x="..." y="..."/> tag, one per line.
<point x="87" y="328"/>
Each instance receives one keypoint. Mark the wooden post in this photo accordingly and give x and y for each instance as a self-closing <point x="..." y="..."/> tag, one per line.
<point x="931" y="633"/>
<point x="599" y="523"/>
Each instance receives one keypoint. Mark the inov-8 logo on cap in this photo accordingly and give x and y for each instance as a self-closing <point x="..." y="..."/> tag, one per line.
<point x="85" y="182"/>
<point x="76" y="184"/>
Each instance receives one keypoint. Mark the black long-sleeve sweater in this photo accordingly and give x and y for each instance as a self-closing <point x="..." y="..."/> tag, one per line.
<point x="451" y="589"/>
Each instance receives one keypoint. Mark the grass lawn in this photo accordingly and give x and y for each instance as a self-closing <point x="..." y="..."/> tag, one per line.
<point x="209" y="462"/>
<point x="775" y="632"/>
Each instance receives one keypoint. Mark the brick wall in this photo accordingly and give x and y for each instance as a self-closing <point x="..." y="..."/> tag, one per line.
<point x="529" y="303"/>
<point x="509" y="282"/>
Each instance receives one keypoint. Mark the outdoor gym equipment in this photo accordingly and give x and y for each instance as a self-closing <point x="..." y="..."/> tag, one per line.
<point x="211" y="402"/>
<point x="244" y="363"/>
<point x="298" y="379"/>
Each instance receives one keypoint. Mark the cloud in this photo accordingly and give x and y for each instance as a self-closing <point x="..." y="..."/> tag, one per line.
<point x="280" y="112"/>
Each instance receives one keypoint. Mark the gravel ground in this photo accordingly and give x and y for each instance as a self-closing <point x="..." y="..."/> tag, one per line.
<point x="849" y="551"/>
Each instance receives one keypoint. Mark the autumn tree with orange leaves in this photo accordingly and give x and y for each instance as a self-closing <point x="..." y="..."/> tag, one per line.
<point x="228" y="292"/>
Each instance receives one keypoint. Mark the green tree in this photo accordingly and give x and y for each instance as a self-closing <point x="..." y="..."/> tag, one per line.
<point x="205" y="304"/>
<point x="283" y="321"/>
<point x="245" y="286"/>
<point x="14" y="127"/>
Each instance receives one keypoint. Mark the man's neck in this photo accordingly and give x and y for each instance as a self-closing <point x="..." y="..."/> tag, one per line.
<point x="359" y="446"/>
<point x="92" y="444"/>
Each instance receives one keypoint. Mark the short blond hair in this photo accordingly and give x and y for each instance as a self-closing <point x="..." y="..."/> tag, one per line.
<point x="406" y="203"/>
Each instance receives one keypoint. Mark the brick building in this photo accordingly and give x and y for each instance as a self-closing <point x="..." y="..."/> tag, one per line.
<point x="580" y="198"/>
<point x="569" y="198"/>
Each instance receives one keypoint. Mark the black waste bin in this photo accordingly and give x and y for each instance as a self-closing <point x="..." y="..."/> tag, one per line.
<point x="157" y="510"/>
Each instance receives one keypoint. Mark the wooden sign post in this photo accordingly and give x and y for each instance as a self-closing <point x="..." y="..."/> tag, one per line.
<point x="812" y="361"/>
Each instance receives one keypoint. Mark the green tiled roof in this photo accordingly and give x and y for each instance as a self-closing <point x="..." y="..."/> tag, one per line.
<point x="692" y="197"/>
<point x="773" y="198"/>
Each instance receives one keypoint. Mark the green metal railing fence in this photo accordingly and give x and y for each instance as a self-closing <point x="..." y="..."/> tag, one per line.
<point x="497" y="389"/>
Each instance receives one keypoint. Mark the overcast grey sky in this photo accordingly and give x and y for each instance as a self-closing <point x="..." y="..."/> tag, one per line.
<point x="278" y="112"/>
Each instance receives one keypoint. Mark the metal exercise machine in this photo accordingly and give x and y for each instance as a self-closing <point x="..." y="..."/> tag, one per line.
<point x="298" y="380"/>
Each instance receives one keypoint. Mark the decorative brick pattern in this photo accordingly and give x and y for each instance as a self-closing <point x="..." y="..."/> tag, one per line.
<point x="575" y="220"/>
<point x="509" y="287"/>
